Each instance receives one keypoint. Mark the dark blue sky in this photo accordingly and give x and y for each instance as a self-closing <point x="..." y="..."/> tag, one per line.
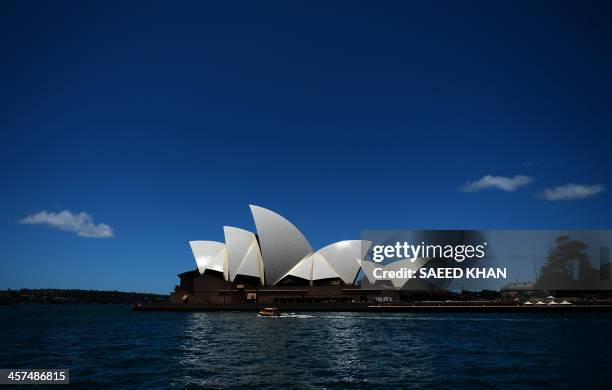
<point x="165" y="121"/>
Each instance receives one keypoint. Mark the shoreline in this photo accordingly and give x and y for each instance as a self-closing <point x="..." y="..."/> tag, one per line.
<point x="406" y="308"/>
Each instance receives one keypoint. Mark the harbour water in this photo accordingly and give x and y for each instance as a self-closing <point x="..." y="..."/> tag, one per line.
<point x="112" y="346"/>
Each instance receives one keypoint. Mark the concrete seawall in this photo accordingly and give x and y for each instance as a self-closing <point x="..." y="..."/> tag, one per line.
<point x="407" y="308"/>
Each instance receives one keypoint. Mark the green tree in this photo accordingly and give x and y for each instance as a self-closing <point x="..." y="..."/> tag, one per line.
<point x="566" y="264"/>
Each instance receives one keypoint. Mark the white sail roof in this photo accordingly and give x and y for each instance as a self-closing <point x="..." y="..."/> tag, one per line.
<point x="313" y="267"/>
<point x="321" y="268"/>
<point x="244" y="256"/>
<point x="210" y="255"/>
<point x="303" y="269"/>
<point x="252" y="265"/>
<point x="341" y="257"/>
<point x="337" y="260"/>
<point x="282" y="244"/>
<point x="368" y="269"/>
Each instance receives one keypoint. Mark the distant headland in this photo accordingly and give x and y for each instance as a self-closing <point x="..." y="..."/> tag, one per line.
<point x="74" y="296"/>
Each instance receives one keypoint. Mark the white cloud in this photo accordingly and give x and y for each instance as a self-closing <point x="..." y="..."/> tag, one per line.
<point x="571" y="191"/>
<point x="499" y="182"/>
<point x="82" y="224"/>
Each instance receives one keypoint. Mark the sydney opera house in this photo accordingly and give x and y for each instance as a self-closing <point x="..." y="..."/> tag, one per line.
<point x="278" y="265"/>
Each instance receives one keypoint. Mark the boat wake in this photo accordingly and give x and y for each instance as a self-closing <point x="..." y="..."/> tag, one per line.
<point x="294" y="315"/>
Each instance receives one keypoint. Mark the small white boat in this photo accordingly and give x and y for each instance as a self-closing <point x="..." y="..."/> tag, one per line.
<point x="269" y="312"/>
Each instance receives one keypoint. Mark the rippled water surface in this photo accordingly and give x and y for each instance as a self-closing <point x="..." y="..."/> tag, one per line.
<point x="111" y="345"/>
